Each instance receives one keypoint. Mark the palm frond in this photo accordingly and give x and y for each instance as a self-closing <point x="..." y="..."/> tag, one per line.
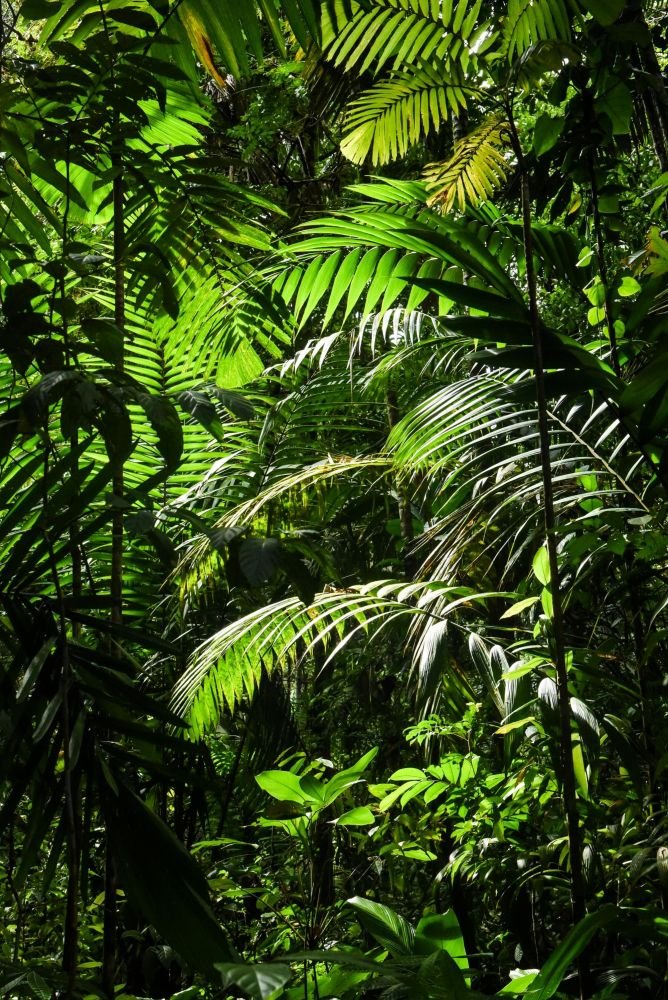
<point x="431" y="47"/>
<point x="388" y="250"/>
<point x="475" y="450"/>
<point x="477" y="168"/>
<point x="530" y="21"/>
<point x="399" y="31"/>
<point x="228" y="667"/>
<point x="393" y="115"/>
<point x="309" y="476"/>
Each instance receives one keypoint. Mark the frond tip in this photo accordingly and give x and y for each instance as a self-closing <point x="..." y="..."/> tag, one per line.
<point x="476" y="169"/>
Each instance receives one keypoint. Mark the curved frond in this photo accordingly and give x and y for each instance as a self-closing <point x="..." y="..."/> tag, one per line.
<point x="228" y="666"/>
<point x="530" y="21"/>
<point x="387" y="252"/>
<point x="476" y="169"/>
<point x="474" y="447"/>
<point x="400" y="31"/>
<point x="393" y="115"/>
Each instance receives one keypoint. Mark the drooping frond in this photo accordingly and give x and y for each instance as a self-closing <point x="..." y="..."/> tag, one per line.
<point x="316" y="449"/>
<point x="449" y="34"/>
<point x="299" y="485"/>
<point x="397" y="112"/>
<point x="474" y="446"/>
<point x="476" y="169"/>
<point x="309" y="476"/>
<point x="377" y="277"/>
<point x="229" y="665"/>
<point x="432" y="47"/>
<point x="338" y="272"/>
<point x="532" y="21"/>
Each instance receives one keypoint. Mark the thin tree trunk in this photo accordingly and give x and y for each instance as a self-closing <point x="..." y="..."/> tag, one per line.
<point x="116" y="585"/>
<point x="405" y="513"/>
<point x="655" y="99"/>
<point x="70" y="779"/>
<point x="578" y="891"/>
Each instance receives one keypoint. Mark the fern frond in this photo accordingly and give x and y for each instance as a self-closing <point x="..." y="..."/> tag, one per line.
<point x="476" y="169"/>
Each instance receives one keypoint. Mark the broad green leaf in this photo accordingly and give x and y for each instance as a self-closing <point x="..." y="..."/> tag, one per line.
<point x="629" y="287"/>
<point x="259" y="981"/>
<point x="546" y="133"/>
<point x="283" y="785"/>
<point x="361" y="816"/>
<point x="519" y="607"/>
<point x="165" y="422"/>
<point x="580" y="770"/>
<point x="395" y="795"/>
<point x="107" y="338"/>
<point x="541" y="566"/>
<point x="547" y="602"/>
<point x="440" y="976"/>
<point x="616" y="102"/>
<point x="519" y="986"/>
<point x="259" y="559"/>
<point x="349" y="776"/>
<point x="441" y="931"/>
<point x="314" y="788"/>
<point x="163" y="881"/>
<point x="407" y="774"/>
<point x="510" y="727"/>
<point x="390" y="929"/>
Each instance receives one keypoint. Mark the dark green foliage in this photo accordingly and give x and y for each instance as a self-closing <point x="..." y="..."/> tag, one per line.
<point x="296" y="463"/>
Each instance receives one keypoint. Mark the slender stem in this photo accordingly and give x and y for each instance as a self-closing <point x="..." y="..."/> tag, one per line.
<point x="72" y="819"/>
<point x="71" y="784"/>
<point x="109" y="925"/>
<point x="602" y="266"/>
<point x="118" y="484"/>
<point x="578" y="893"/>
<point x="116" y="583"/>
<point x="405" y="513"/>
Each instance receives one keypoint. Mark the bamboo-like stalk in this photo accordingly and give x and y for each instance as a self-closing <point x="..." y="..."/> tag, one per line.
<point x="70" y="780"/>
<point x="116" y="582"/>
<point x="577" y="885"/>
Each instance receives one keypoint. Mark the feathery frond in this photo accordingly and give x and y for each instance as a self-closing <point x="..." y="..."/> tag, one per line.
<point x="401" y="31"/>
<point x="530" y="21"/>
<point x="393" y="115"/>
<point x="228" y="667"/>
<point x="477" y="168"/>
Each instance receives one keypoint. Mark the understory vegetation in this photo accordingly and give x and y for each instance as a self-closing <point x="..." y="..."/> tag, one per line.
<point x="333" y="469"/>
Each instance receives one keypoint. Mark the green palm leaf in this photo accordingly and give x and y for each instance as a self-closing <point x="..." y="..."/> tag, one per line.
<point x="393" y="115"/>
<point x="530" y="21"/>
<point x="228" y="667"/>
<point x="476" y="169"/>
